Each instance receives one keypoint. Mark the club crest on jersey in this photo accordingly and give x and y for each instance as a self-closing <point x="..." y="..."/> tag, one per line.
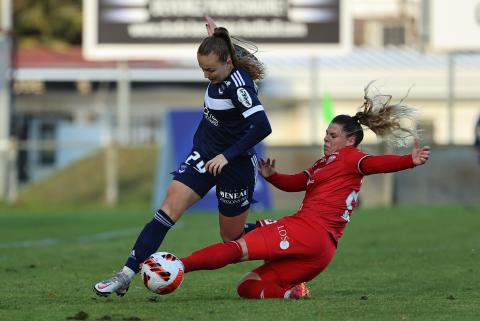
<point x="244" y="97"/>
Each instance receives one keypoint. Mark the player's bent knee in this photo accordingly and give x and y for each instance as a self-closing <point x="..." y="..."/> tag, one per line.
<point x="173" y="212"/>
<point x="231" y="232"/>
<point x="227" y="237"/>
<point x="249" y="276"/>
<point x="244" y="289"/>
<point x="179" y="198"/>
<point x="232" y="227"/>
<point x="248" y="288"/>
<point x="174" y="208"/>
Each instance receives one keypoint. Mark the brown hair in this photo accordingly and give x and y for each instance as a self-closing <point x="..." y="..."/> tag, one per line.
<point x="383" y="118"/>
<point x="221" y="44"/>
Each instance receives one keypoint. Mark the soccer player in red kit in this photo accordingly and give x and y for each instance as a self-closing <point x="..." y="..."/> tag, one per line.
<point x="298" y="247"/>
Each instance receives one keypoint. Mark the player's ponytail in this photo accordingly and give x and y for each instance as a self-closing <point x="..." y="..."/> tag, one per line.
<point x="222" y="45"/>
<point x="247" y="60"/>
<point x="392" y="122"/>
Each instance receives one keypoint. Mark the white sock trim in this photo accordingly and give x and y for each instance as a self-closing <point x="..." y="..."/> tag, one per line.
<point x="128" y="272"/>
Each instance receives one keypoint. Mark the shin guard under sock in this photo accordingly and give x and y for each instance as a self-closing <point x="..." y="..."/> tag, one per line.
<point x="258" y="289"/>
<point x="149" y="240"/>
<point x="213" y="257"/>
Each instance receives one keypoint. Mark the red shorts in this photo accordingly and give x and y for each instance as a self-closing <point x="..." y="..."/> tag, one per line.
<point x="295" y="250"/>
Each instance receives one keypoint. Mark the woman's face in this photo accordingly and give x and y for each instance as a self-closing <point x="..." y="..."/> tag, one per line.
<point x="335" y="139"/>
<point x="213" y="69"/>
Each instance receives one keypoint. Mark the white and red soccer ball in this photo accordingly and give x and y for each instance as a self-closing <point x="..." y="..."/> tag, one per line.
<point x="162" y="273"/>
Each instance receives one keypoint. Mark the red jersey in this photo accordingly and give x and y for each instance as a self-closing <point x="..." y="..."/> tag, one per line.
<point x="333" y="184"/>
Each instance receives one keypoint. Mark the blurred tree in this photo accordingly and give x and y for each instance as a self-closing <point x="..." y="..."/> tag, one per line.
<point x="51" y="23"/>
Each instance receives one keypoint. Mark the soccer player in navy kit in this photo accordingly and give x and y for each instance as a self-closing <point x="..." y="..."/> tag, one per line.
<point x="299" y="247"/>
<point x="223" y="153"/>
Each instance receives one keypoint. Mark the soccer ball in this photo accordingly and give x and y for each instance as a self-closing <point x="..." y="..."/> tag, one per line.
<point x="162" y="272"/>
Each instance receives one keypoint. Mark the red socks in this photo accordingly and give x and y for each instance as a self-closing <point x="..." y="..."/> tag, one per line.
<point x="257" y="289"/>
<point x="217" y="256"/>
<point x="213" y="257"/>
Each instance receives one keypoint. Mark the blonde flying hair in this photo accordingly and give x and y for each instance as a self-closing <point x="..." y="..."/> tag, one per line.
<point x="394" y="123"/>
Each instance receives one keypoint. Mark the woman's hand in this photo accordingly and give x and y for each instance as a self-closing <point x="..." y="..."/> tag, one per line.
<point x="210" y="24"/>
<point x="267" y="168"/>
<point x="215" y="165"/>
<point x="420" y="155"/>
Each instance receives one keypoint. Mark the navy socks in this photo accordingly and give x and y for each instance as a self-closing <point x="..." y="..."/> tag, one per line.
<point x="149" y="240"/>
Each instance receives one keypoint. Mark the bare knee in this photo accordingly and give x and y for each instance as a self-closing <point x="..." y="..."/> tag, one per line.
<point x="172" y="209"/>
<point x="231" y="227"/>
<point x="178" y="199"/>
<point x="231" y="235"/>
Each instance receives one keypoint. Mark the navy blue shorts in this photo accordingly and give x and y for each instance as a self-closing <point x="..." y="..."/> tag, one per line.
<point x="234" y="185"/>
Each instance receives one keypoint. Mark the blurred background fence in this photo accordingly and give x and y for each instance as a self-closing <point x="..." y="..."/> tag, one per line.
<point x="62" y="113"/>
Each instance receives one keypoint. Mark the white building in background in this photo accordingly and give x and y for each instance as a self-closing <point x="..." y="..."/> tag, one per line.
<point x="396" y="71"/>
<point x="380" y="23"/>
<point x="389" y="47"/>
<point x="393" y="45"/>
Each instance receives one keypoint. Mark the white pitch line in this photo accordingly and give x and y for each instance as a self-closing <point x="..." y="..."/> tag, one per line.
<point x="109" y="235"/>
<point x="27" y="244"/>
<point x="104" y="236"/>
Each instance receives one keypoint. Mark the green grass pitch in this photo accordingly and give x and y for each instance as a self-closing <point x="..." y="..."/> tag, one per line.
<point x="392" y="264"/>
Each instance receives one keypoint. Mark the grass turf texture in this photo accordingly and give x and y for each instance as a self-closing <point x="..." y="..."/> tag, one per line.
<point x="392" y="264"/>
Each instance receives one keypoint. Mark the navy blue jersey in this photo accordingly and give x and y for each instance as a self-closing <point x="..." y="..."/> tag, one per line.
<point x="227" y="107"/>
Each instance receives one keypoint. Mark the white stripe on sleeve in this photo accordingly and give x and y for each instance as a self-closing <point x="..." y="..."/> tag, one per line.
<point x="252" y="110"/>
<point x="239" y="77"/>
<point x="359" y="162"/>
<point x="235" y="80"/>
